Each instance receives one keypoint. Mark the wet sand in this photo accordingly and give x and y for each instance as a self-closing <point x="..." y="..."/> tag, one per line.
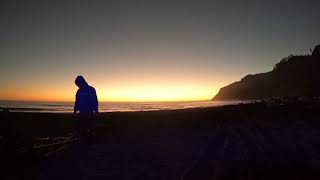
<point x="231" y="142"/>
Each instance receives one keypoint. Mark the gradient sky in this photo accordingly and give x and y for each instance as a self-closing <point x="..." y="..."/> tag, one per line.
<point x="146" y="50"/>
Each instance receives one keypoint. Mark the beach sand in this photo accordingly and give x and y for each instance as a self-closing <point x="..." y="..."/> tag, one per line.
<point x="251" y="141"/>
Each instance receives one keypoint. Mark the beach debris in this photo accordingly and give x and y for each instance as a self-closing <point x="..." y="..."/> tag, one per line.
<point x="49" y="142"/>
<point x="52" y="145"/>
<point x="5" y="110"/>
<point x="296" y="100"/>
<point x="55" y="151"/>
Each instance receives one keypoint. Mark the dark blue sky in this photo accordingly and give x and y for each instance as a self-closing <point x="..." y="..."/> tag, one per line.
<point x="123" y="44"/>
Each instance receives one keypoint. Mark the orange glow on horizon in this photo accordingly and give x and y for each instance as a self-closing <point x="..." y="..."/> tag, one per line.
<point x="125" y="84"/>
<point x="128" y="77"/>
<point x="156" y="94"/>
<point x="116" y="94"/>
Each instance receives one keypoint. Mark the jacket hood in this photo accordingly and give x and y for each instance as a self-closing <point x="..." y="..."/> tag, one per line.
<point x="80" y="82"/>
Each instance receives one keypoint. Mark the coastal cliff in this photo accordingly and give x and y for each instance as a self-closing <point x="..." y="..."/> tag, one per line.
<point x="293" y="76"/>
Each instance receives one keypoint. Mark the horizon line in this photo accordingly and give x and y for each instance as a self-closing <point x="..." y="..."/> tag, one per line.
<point x="166" y="101"/>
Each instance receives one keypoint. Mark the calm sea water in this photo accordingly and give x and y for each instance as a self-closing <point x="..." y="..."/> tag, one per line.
<point x="67" y="107"/>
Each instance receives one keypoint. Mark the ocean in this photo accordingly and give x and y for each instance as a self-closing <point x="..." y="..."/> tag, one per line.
<point x="67" y="107"/>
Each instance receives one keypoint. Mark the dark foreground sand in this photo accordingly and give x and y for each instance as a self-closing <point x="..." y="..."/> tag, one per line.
<point x="231" y="142"/>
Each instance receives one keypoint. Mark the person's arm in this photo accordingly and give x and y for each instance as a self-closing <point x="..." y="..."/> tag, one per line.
<point x="76" y="104"/>
<point x="96" y="103"/>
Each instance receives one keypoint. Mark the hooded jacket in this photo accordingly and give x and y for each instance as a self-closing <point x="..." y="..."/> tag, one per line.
<point x="86" y="97"/>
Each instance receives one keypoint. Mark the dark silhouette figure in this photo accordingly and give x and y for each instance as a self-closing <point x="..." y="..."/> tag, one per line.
<point x="87" y="105"/>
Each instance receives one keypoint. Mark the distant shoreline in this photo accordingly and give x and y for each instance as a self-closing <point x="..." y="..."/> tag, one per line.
<point x="67" y="108"/>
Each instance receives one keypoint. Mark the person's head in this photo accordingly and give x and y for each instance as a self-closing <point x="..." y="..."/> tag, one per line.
<point x="80" y="82"/>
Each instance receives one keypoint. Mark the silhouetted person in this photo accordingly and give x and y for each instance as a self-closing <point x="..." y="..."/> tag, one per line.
<point x="87" y="105"/>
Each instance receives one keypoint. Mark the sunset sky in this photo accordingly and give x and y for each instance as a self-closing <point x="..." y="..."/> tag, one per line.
<point x="146" y="50"/>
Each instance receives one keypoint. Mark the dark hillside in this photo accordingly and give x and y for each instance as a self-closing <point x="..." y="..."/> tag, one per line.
<point x="292" y="76"/>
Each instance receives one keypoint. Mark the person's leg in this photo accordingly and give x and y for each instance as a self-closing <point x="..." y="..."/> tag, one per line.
<point x="82" y="127"/>
<point x="90" y="132"/>
<point x="87" y="126"/>
<point x="79" y="128"/>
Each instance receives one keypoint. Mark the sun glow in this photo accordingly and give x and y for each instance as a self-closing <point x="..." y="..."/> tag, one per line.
<point x="138" y="93"/>
<point x="133" y="88"/>
<point x="156" y="93"/>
